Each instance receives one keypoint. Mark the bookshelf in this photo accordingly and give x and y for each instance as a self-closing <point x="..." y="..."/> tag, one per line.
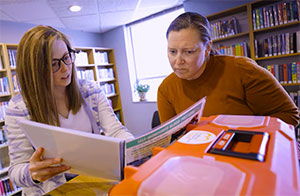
<point x="98" y="64"/>
<point x="7" y="90"/>
<point x="256" y="29"/>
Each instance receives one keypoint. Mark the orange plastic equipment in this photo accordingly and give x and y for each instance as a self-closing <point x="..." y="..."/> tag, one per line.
<point x="222" y="155"/>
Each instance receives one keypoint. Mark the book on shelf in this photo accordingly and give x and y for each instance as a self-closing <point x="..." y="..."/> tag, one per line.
<point x="224" y="28"/>
<point x="7" y="187"/>
<point x="1" y="64"/>
<point x="81" y="58"/>
<point x="254" y="19"/>
<point x="288" y="73"/>
<point x="88" y="153"/>
<point x="101" y="57"/>
<point x="276" y="14"/>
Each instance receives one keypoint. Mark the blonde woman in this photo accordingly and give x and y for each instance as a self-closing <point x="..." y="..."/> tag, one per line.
<point x="51" y="94"/>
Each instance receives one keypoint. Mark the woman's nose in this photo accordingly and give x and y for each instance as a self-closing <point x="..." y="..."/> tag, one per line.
<point x="179" y="59"/>
<point x="63" y="66"/>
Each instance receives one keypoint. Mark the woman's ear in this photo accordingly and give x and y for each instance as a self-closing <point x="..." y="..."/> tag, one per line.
<point x="208" y="48"/>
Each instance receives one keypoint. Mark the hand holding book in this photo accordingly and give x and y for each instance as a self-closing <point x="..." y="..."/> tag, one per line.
<point x="43" y="169"/>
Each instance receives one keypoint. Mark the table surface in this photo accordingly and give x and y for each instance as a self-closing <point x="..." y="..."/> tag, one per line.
<point x="84" y="185"/>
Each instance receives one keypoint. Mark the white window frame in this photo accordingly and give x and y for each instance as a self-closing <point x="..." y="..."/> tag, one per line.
<point x="133" y="65"/>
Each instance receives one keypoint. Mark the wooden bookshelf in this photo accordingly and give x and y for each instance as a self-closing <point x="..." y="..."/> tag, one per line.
<point x="248" y="34"/>
<point x="99" y="64"/>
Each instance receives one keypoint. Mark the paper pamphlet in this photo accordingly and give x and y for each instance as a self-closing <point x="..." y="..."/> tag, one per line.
<point x="139" y="149"/>
<point x="86" y="153"/>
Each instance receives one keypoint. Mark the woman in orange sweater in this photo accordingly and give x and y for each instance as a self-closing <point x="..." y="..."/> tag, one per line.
<point x="233" y="85"/>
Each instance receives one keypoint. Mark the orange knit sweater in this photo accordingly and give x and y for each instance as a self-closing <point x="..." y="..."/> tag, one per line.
<point x="233" y="85"/>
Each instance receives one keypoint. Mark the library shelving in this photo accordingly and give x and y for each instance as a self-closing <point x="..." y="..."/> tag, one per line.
<point x="98" y="64"/>
<point x="266" y="31"/>
<point x="7" y="90"/>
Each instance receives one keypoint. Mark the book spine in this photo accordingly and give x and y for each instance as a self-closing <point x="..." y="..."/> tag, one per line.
<point x="265" y="17"/>
<point x="275" y="14"/>
<point x="285" y="76"/>
<point x="261" y="18"/>
<point x="289" y="73"/>
<point x="276" y="67"/>
<point x="256" y="46"/>
<point x="274" y="42"/>
<point x="294" y="10"/>
<point x="291" y="43"/>
<point x="254" y="19"/>
<point x="283" y="44"/>
<point x="257" y="19"/>
<point x="280" y="69"/>
<point x="298" y="41"/>
<point x="291" y="12"/>
<point x="294" y="72"/>
<point x="284" y="13"/>
<point x="287" y="43"/>
<point x="265" y="47"/>
<point x="270" y="46"/>
<point x="298" y="72"/>
<point x="271" y="15"/>
<point x="279" y="11"/>
<point x="298" y="8"/>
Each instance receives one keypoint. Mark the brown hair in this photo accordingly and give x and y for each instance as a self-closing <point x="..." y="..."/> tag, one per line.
<point x="34" y="72"/>
<point x="194" y="20"/>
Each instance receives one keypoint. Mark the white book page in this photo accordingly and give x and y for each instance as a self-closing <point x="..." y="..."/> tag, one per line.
<point x="87" y="153"/>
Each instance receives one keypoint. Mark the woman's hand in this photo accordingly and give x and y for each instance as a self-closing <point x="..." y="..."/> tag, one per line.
<point x="42" y="169"/>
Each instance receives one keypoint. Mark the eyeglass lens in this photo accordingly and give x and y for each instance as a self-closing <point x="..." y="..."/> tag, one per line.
<point x="67" y="59"/>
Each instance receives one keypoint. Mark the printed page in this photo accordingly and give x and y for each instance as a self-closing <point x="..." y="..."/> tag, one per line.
<point x="85" y="152"/>
<point x="138" y="150"/>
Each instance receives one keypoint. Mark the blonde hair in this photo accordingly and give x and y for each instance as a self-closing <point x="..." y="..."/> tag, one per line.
<point x="34" y="73"/>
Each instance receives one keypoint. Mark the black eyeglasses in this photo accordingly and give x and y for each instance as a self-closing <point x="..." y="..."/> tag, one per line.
<point x="68" y="59"/>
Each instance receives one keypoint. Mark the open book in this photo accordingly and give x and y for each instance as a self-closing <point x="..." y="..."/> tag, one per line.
<point x="88" y="154"/>
<point x="102" y="156"/>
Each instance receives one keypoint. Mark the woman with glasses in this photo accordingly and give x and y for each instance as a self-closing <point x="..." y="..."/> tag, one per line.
<point x="51" y="94"/>
<point x="233" y="85"/>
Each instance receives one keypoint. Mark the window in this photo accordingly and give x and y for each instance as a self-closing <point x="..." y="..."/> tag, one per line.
<point x="146" y="46"/>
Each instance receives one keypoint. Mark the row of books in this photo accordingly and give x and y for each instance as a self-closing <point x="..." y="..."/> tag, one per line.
<point x="87" y="74"/>
<point x="3" y="105"/>
<point x="3" y="140"/>
<point x="7" y="187"/>
<point x="276" y="14"/>
<point x="108" y="88"/>
<point x="4" y="86"/>
<point x="286" y="73"/>
<point x="224" y="28"/>
<point x="12" y="56"/>
<point x="81" y="58"/>
<point x="284" y="43"/>
<point x="106" y="73"/>
<point x="101" y="58"/>
<point x="295" y="96"/>
<point x="239" y="49"/>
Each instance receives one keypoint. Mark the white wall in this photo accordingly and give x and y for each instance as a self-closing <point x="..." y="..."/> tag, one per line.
<point x="11" y="32"/>
<point x="137" y="116"/>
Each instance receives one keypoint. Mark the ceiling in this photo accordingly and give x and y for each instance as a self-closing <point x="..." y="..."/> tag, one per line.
<point x="95" y="16"/>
